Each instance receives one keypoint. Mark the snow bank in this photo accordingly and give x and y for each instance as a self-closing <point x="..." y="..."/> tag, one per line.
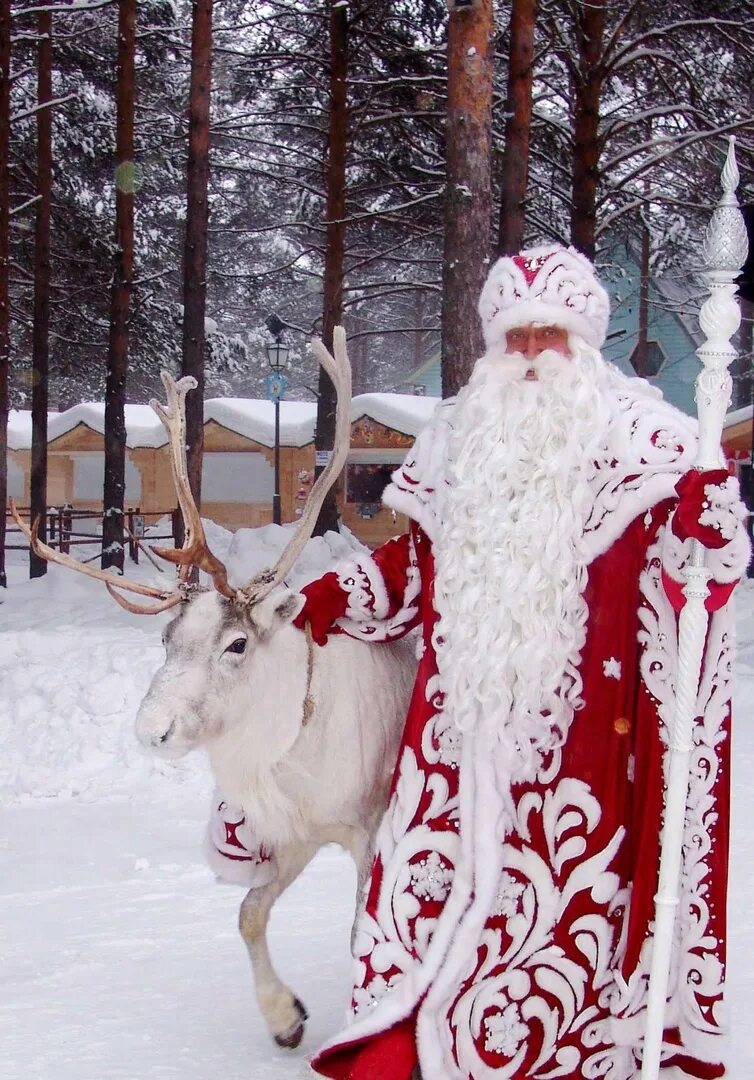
<point x="74" y="667"/>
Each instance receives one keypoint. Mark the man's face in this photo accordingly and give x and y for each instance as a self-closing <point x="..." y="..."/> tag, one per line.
<point x="533" y="339"/>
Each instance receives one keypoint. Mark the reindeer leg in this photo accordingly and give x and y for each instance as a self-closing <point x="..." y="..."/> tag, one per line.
<point x="284" y="1014"/>
<point x="361" y="848"/>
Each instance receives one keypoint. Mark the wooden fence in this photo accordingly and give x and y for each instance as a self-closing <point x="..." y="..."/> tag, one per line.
<point x="62" y="531"/>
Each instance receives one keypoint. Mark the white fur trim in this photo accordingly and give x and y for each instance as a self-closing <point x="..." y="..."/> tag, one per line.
<point x="726" y="564"/>
<point x="536" y="311"/>
<point x="552" y="285"/>
<point x="402" y="1000"/>
<point x="362" y="581"/>
<point x="368" y="620"/>
<point x="242" y="862"/>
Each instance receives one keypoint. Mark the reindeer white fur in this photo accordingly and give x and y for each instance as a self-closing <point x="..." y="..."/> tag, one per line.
<point x="234" y="682"/>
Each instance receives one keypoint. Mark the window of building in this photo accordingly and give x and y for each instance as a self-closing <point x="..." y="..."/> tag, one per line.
<point x="15" y="480"/>
<point x="89" y="477"/>
<point x="236" y="477"/>
<point x="651" y="362"/>
<point x="368" y="473"/>
<point x="365" y="483"/>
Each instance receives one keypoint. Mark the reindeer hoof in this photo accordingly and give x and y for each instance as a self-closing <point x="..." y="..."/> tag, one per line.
<point x="291" y="1038"/>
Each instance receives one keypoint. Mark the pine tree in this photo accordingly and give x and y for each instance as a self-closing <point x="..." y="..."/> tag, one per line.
<point x="335" y="227"/>
<point x="515" y="171"/>
<point x="117" y="356"/>
<point x="41" y="328"/>
<point x="468" y="189"/>
<point x="195" y="249"/>
<point x="5" y="28"/>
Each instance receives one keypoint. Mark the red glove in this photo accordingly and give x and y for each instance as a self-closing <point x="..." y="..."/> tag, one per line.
<point x="325" y="603"/>
<point x="709" y="507"/>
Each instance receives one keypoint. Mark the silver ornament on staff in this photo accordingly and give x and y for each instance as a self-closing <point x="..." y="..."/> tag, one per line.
<point x="725" y="248"/>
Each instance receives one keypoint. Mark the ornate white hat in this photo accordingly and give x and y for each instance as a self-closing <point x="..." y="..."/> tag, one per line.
<point x="554" y="286"/>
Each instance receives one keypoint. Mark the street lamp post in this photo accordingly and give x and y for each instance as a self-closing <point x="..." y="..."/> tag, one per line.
<point x="277" y="357"/>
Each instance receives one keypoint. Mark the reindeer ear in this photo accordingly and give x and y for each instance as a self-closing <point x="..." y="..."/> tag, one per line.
<point x="280" y="607"/>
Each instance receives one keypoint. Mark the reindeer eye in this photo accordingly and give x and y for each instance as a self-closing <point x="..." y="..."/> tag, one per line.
<point x="238" y="646"/>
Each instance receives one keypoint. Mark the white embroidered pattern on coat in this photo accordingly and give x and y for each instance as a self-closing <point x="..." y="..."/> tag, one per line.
<point x="612" y="668"/>
<point x="507" y="901"/>
<point x="505" y="1032"/>
<point x="431" y="878"/>
<point x="522" y="964"/>
<point x="367" y="612"/>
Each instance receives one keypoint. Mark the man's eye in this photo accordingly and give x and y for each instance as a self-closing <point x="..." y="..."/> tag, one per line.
<point x="237" y="646"/>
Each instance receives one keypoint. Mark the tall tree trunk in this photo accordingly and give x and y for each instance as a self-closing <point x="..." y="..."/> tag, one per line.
<point x="419" y="336"/>
<point x="4" y="265"/>
<point x="590" y="29"/>
<point x="335" y="184"/>
<point x="467" y="189"/>
<point x="195" y="250"/>
<point x="517" y="127"/>
<point x="40" y="333"/>
<point x="642" y="345"/>
<point x="120" y="305"/>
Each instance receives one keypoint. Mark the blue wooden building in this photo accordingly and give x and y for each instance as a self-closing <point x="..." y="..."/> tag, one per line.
<point x="673" y="333"/>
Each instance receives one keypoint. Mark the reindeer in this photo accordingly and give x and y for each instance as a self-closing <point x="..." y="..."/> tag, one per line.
<point x="303" y="737"/>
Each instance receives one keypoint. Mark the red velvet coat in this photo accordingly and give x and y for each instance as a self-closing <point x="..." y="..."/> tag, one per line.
<point x="525" y="951"/>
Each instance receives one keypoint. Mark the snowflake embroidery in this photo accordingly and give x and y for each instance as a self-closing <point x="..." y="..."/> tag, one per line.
<point x="430" y="879"/>
<point x="369" y="996"/>
<point x="721" y="508"/>
<point x="612" y="668"/>
<point x="449" y="746"/>
<point x="505" y="1032"/>
<point x="509" y="891"/>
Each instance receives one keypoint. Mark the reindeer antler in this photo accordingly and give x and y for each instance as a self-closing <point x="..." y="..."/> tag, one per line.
<point x="339" y="370"/>
<point x="195" y="551"/>
<point x="168" y="598"/>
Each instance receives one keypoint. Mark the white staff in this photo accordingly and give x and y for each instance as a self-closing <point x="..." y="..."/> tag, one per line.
<point x="725" y="247"/>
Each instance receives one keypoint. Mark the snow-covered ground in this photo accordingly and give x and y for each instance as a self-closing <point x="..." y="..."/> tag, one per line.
<point x="120" y="954"/>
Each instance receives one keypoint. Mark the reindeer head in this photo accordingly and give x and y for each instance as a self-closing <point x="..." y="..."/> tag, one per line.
<point x="221" y="639"/>
<point x="223" y="672"/>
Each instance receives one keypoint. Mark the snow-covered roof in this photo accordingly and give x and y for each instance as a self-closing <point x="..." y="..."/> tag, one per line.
<point x="19" y="429"/>
<point x="143" y="427"/>
<point x="251" y="417"/>
<point x="402" y="412"/>
<point x="255" y="419"/>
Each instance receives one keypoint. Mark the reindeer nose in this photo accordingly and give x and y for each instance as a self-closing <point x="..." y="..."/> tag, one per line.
<point x="160" y="740"/>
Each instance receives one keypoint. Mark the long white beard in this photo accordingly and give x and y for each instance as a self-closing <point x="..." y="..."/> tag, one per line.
<point x="510" y="571"/>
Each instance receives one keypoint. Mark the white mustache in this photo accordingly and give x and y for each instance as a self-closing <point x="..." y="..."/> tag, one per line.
<point x="503" y="369"/>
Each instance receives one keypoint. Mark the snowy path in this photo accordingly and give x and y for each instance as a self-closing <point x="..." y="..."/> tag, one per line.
<point x="121" y="957"/>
